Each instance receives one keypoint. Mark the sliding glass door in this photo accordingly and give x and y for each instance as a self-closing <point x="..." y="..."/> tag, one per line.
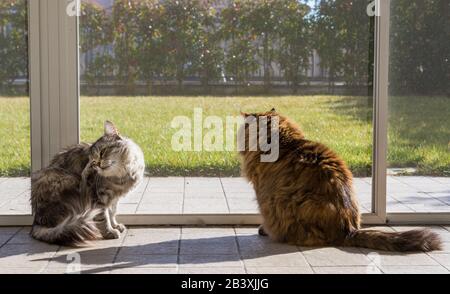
<point x="367" y="78"/>
<point x="15" y="155"/>
<point x="146" y="63"/>
<point x="419" y="107"/>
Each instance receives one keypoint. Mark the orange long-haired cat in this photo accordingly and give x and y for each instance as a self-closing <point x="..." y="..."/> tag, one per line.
<point x="306" y="196"/>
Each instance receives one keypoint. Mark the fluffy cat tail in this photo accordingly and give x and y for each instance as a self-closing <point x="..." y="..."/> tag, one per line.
<point x="76" y="230"/>
<point x="414" y="240"/>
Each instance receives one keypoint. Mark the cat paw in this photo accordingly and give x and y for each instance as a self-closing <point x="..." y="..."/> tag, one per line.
<point x="261" y="231"/>
<point x="120" y="227"/>
<point x="112" y="234"/>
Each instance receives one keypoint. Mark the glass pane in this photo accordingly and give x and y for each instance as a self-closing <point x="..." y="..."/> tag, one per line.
<point x="419" y="107"/>
<point x="145" y="63"/>
<point x="14" y="109"/>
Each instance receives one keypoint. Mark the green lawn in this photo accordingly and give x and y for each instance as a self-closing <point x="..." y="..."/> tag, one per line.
<point x="419" y="130"/>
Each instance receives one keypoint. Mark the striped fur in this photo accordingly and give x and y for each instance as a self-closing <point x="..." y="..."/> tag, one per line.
<point x="75" y="230"/>
<point x="75" y="198"/>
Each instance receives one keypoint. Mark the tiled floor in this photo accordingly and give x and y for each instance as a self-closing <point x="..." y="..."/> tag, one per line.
<point x="191" y="250"/>
<point x="235" y="196"/>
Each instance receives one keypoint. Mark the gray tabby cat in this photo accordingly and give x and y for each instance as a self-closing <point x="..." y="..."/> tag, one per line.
<point x="75" y="198"/>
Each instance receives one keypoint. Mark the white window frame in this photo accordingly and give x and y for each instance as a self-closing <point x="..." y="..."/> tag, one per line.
<point x="54" y="79"/>
<point x="54" y="95"/>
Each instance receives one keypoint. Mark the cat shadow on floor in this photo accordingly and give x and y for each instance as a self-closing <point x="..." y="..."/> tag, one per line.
<point x="221" y="251"/>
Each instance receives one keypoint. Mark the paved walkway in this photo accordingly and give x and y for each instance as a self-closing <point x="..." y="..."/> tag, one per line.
<point x="226" y="250"/>
<point x="235" y="196"/>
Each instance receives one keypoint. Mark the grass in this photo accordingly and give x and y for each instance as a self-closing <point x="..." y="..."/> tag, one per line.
<point x="419" y="131"/>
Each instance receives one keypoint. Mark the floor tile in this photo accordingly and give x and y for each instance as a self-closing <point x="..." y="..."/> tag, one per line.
<point x="9" y="231"/>
<point x="144" y="271"/>
<point x="26" y="255"/>
<point x="205" y="206"/>
<point x="150" y="261"/>
<point x="241" y="196"/>
<point x="211" y="270"/>
<point x="432" y="269"/>
<point x="210" y="260"/>
<point x="84" y="260"/>
<point x="383" y="258"/>
<point x="76" y="270"/>
<point x="167" y="247"/>
<point x="204" y="195"/>
<point x="255" y="244"/>
<point x="169" y="197"/>
<point x="332" y="256"/>
<point x="441" y="258"/>
<point x="155" y="250"/>
<point x="260" y="270"/>
<point x="294" y="259"/>
<point x="170" y="184"/>
<point x="212" y="245"/>
<point x="423" y="184"/>
<point x="242" y="206"/>
<point x="160" y="208"/>
<point x="208" y="231"/>
<point x="20" y="271"/>
<point x="337" y="270"/>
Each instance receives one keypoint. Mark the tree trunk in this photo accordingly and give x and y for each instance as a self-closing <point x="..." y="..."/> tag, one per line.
<point x="266" y="62"/>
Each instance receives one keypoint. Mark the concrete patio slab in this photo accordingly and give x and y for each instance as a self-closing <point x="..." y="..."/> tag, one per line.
<point x="197" y="195"/>
<point x="191" y="250"/>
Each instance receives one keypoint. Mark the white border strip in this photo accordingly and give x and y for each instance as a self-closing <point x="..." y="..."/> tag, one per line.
<point x="239" y="219"/>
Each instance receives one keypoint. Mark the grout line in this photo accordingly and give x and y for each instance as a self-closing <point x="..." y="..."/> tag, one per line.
<point x="432" y="197"/>
<point x="225" y="195"/>
<point x="12" y="236"/>
<point x="417" y="190"/>
<point x="184" y="196"/>
<point x="401" y="202"/>
<point x="119" y="249"/>
<point x="50" y="259"/>
<point x="142" y="196"/>
<point x="239" y="250"/>
<point x="435" y="260"/>
<point x="419" y="202"/>
<point x="10" y="200"/>
<point x="179" y="249"/>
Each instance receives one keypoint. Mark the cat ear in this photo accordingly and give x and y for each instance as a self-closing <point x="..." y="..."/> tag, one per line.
<point x="110" y="129"/>
<point x="273" y="110"/>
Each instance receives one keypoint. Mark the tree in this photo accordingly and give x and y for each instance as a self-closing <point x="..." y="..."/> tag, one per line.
<point x="420" y="40"/>
<point x="151" y="56"/>
<point x="99" y="71"/>
<point x="262" y="19"/>
<point x="328" y="40"/>
<point x="209" y="65"/>
<point x="240" y="55"/>
<point x="295" y="41"/>
<point x="343" y="38"/>
<point x="95" y="27"/>
<point x="357" y="40"/>
<point x="95" y="36"/>
<point x="180" y="30"/>
<point x="13" y="42"/>
<point x="125" y="33"/>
